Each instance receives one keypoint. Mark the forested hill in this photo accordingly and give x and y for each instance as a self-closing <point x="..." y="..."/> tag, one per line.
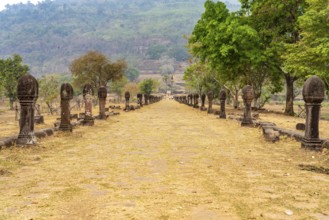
<point x="51" y="34"/>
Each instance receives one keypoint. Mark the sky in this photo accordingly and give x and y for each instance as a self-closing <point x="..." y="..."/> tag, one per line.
<point x="3" y="3"/>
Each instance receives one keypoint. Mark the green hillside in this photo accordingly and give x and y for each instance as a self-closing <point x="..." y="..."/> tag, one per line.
<point x="52" y="33"/>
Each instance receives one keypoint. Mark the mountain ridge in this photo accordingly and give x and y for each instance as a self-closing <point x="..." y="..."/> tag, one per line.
<point x="51" y="34"/>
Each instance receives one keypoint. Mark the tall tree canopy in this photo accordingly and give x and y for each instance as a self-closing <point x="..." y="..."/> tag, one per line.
<point x="11" y="69"/>
<point x="233" y="48"/>
<point x="311" y="54"/>
<point x="276" y="22"/>
<point x="95" y="68"/>
<point x="202" y="78"/>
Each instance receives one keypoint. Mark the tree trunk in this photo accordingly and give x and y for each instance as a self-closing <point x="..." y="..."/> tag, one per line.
<point x="236" y="99"/>
<point x="289" y="110"/>
<point x="256" y="100"/>
<point x="11" y="103"/>
<point x="50" y="107"/>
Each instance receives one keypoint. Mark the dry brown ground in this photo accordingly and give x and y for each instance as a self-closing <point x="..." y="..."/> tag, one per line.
<point x="165" y="161"/>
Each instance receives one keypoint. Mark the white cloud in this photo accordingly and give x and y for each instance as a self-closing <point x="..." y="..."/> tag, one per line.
<point x="3" y="3"/>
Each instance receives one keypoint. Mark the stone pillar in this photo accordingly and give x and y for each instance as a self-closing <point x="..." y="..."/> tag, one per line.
<point x="222" y="98"/>
<point x="196" y="100"/>
<point x="313" y="94"/>
<point x="146" y="99"/>
<point x="88" y="94"/>
<point x="27" y="93"/>
<point x="150" y="97"/>
<point x="102" y="94"/>
<point x="127" y="97"/>
<point x="66" y="96"/>
<point x="210" y="99"/>
<point x="140" y="99"/>
<point x="247" y="96"/>
<point x="203" y="100"/>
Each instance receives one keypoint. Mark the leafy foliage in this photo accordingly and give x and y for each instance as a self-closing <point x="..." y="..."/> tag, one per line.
<point x="49" y="87"/>
<point x="11" y="69"/>
<point x="311" y="54"/>
<point x="233" y="49"/>
<point x="276" y="22"/>
<point x="96" y="69"/>
<point x="132" y="88"/>
<point x="148" y="86"/>
<point x="201" y="78"/>
<point x="118" y="86"/>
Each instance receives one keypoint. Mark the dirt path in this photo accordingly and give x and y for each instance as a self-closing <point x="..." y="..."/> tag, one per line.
<point x="166" y="161"/>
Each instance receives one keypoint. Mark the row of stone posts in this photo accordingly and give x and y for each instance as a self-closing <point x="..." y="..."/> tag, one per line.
<point x="247" y="96"/>
<point x="193" y="100"/>
<point x="313" y="95"/>
<point x="27" y="92"/>
<point x="148" y="99"/>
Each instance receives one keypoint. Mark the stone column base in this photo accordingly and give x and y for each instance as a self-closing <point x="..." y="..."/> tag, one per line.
<point x="247" y="123"/>
<point x="64" y="127"/>
<point x="26" y="140"/>
<point x="223" y="116"/>
<point x="312" y="144"/>
<point x="88" y="121"/>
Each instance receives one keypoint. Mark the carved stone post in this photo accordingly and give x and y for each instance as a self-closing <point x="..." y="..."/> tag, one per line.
<point x="313" y="94"/>
<point x="27" y="93"/>
<point x="196" y="100"/>
<point x="210" y="99"/>
<point x="247" y="96"/>
<point x="127" y="97"/>
<point x="140" y="99"/>
<point x="88" y="94"/>
<point x="66" y="96"/>
<point x="203" y="100"/>
<point x="150" y="97"/>
<point x="222" y="98"/>
<point x="102" y="94"/>
<point x="146" y="99"/>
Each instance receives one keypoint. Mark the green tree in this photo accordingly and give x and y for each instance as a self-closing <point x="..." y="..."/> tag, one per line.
<point x="96" y="69"/>
<point x="132" y="73"/>
<point x="232" y="47"/>
<point x="132" y="88"/>
<point x="310" y="55"/>
<point x="118" y="86"/>
<point x="11" y="69"/>
<point x="148" y="86"/>
<point x="195" y="77"/>
<point x="49" y="90"/>
<point x="201" y="78"/>
<point x="276" y="22"/>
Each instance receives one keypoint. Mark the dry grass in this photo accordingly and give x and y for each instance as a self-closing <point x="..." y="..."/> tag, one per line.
<point x="165" y="161"/>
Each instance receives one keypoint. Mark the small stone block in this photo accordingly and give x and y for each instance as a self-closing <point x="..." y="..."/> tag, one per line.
<point x="300" y="126"/>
